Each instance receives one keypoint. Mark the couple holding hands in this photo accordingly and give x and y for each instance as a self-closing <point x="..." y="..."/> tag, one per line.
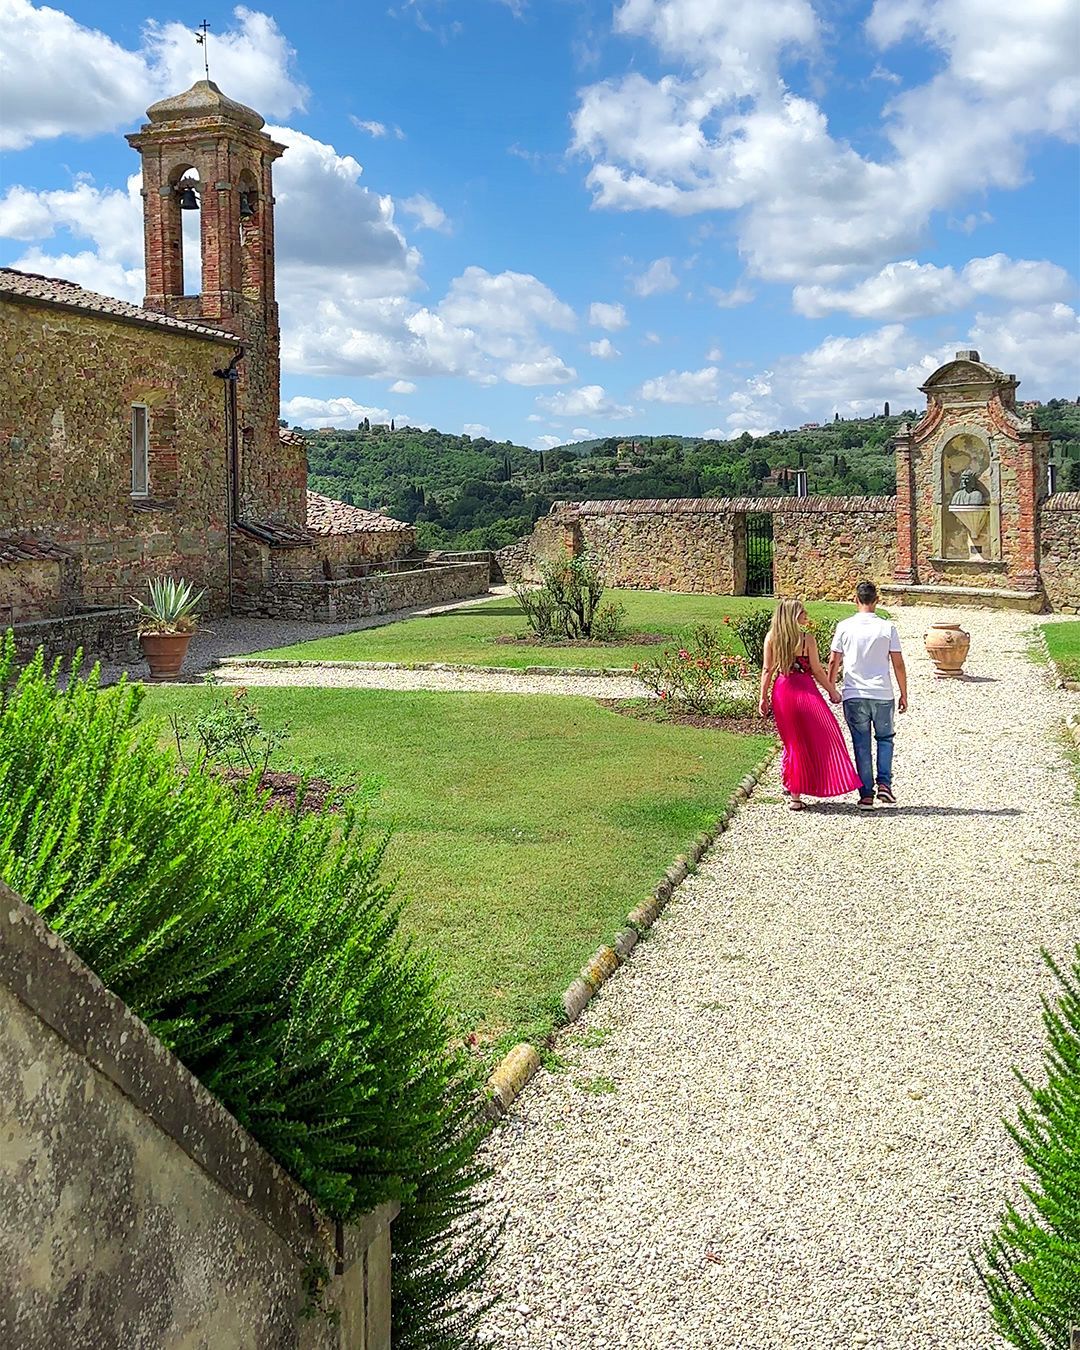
<point x="816" y="760"/>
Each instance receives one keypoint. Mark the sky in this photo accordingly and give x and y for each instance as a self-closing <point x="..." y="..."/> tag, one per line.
<point x="548" y="220"/>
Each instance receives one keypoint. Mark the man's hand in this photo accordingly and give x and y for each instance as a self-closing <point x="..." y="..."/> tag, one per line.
<point x="902" y="704"/>
<point x="835" y="696"/>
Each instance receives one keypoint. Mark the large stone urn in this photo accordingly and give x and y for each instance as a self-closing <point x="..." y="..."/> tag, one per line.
<point x="948" y="646"/>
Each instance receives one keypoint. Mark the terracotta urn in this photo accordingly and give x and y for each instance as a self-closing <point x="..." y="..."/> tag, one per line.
<point x="164" y="653"/>
<point x="948" y="646"/>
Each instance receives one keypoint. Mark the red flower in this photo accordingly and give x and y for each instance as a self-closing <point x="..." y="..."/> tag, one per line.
<point x="663" y="693"/>
<point x="684" y="654"/>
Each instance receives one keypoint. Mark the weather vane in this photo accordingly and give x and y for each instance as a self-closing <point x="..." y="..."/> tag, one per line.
<point x="200" y="37"/>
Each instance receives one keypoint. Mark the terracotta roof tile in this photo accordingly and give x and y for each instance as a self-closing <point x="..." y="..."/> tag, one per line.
<point x="325" y="515"/>
<point x="15" y="548"/>
<point x="32" y="288"/>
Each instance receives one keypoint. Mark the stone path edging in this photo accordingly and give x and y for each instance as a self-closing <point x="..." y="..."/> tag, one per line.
<point x="287" y="663"/>
<point x="520" y="1064"/>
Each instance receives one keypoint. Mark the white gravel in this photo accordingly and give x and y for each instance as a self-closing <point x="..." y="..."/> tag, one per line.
<point x="811" y="1056"/>
<point x="460" y="681"/>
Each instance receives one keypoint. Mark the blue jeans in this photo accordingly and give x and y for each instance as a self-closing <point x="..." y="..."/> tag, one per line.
<point x="861" y="714"/>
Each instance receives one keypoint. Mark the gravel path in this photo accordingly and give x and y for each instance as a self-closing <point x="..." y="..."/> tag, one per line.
<point x="804" y="1068"/>
<point x="479" y="681"/>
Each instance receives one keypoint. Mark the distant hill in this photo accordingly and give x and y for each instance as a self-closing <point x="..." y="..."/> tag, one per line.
<point x="466" y="492"/>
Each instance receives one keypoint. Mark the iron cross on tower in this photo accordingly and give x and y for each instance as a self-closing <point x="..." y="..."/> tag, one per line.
<point x="201" y="34"/>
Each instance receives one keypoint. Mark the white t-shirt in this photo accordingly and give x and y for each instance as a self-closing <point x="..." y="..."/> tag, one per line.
<point x="865" y="642"/>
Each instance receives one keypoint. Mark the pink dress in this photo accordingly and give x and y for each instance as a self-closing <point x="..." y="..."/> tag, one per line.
<point x="816" y="759"/>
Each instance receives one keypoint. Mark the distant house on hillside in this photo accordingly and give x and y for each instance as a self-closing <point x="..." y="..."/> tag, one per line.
<point x="810" y="426"/>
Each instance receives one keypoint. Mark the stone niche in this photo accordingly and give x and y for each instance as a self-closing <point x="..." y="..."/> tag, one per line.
<point x="969" y="479"/>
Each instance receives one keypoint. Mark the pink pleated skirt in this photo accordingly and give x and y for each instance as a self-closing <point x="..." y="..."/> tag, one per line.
<point x="816" y="758"/>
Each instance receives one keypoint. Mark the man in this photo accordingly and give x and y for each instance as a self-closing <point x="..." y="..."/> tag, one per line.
<point x="869" y="649"/>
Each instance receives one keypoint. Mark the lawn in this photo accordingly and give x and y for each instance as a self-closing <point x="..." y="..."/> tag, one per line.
<point x="524" y="827"/>
<point x="469" y="636"/>
<point x="1063" y="641"/>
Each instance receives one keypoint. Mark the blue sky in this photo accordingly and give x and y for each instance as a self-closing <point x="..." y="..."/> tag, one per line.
<point x="551" y="219"/>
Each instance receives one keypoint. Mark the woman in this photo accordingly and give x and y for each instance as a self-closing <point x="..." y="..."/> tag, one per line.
<point x="816" y="759"/>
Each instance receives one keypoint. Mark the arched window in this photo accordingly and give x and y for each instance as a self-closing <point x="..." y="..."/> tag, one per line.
<point x="188" y="190"/>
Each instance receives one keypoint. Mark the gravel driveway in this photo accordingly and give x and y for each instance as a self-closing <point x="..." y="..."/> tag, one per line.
<point x="802" y="1072"/>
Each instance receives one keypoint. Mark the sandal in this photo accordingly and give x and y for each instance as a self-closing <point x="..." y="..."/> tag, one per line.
<point x="796" y="804"/>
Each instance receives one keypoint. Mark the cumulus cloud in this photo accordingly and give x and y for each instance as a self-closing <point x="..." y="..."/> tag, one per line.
<point x="403" y="387"/>
<point x="476" y="429"/>
<point x="684" y="386"/>
<point x="65" y="78"/>
<point x="604" y="349"/>
<point x="723" y="131"/>
<point x="733" y="298"/>
<point x="330" y="412"/>
<point x="589" y="400"/>
<point x="657" y="278"/>
<point x="376" y="129"/>
<point x="426" y="213"/>
<point x="610" y="317"/>
<point x="908" y="289"/>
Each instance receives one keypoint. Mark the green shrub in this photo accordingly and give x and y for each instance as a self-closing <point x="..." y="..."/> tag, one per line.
<point x="1031" y="1266"/>
<point x="263" y="949"/>
<point x="752" y="628"/>
<point x="698" y="675"/>
<point x="568" y="603"/>
<point x="822" y="630"/>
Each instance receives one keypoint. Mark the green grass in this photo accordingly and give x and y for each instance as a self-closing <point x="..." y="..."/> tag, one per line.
<point x="1063" y="641"/>
<point x="469" y="636"/>
<point x="524" y="828"/>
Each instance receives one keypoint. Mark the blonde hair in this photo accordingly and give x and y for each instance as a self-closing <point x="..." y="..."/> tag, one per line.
<point x="787" y="637"/>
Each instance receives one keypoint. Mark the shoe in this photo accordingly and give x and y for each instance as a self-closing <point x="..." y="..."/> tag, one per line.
<point x="866" y="803"/>
<point x="885" y="795"/>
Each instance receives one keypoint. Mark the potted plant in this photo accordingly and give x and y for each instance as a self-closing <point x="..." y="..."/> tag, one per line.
<point x="166" y="625"/>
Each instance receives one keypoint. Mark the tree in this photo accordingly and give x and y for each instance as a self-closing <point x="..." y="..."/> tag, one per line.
<point x="1071" y="476"/>
<point x="886" y="407"/>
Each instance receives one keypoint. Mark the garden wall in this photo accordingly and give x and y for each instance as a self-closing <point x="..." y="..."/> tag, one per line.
<point x="360" y="597"/>
<point x="822" y="546"/>
<point x="1059" y="549"/>
<point x="108" y="635"/>
<point x="134" y="1210"/>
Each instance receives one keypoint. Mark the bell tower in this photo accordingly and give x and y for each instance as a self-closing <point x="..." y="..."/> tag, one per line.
<point x="204" y="152"/>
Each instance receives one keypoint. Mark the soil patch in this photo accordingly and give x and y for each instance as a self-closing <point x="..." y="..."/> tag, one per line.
<point x="623" y="640"/>
<point x="752" y="725"/>
<point x="281" y="787"/>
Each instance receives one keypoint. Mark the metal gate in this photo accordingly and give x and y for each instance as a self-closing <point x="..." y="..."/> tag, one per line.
<point x="759" y="555"/>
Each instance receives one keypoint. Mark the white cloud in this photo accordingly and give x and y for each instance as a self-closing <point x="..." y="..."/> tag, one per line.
<point x="855" y="375"/>
<point x="604" y="349"/>
<point x="329" y="412"/>
<point x="738" y="295"/>
<point x="657" y="278"/>
<point x="507" y="302"/>
<point x="723" y="132"/>
<point x="581" y="434"/>
<point x="426" y="213"/>
<point x="653" y="339"/>
<point x="403" y="387"/>
<point x="377" y="129"/>
<point x="476" y="429"/>
<point x="713" y="355"/>
<point x="610" y="317"/>
<point x="548" y="370"/>
<point x="685" y="386"/>
<point x="547" y="442"/>
<point x="589" y="399"/>
<point x="64" y="78"/>
<point x="908" y="289"/>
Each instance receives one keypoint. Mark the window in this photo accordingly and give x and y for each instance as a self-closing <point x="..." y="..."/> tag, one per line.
<point x="140" y="450"/>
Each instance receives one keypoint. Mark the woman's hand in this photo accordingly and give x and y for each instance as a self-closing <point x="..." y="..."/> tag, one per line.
<point x="763" y="706"/>
<point x="834" y="694"/>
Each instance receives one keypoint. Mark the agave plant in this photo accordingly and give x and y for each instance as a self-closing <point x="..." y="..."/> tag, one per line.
<point x="171" y="608"/>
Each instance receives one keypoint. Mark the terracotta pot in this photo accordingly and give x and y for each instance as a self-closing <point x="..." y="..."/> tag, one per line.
<point x="164" y="653"/>
<point x="948" y="646"/>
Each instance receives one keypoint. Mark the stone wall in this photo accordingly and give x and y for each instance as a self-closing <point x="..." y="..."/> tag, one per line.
<point x="134" y="1210"/>
<point x="108" y="635"/>
<point x="822" y="546"/>
<point x="340" y="552"/>
<point x="67" y="384"/>
<point x="1059" y="541"/>
<point x="361" y="597"/>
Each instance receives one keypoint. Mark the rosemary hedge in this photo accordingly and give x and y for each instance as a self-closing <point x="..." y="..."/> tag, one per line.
<point x="262" y="947"/>
<point x="1031" y="1266"/>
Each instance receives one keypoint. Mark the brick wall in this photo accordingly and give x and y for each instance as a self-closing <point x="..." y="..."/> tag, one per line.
<point x="822" y="545"/>
<point x="67" y="383"/>
<point x="1059" y="567"/>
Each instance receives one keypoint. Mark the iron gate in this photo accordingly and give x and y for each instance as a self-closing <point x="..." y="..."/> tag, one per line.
<point x="759" y="555"/>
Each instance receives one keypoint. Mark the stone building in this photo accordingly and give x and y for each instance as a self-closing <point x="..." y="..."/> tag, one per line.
<point x="143" y="441"/>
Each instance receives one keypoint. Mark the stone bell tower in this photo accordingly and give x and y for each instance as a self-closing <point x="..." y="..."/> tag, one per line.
<point x="203" y="151"/>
